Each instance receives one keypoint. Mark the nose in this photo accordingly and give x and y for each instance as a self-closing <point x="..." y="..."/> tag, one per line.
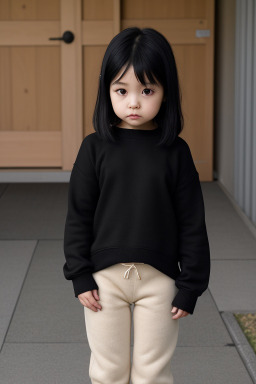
<point x="133" y="102"/>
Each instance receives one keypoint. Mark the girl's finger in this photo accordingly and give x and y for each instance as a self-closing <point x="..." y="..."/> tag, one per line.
<point x="95" y="294"/>
<point x="179" y="314"/>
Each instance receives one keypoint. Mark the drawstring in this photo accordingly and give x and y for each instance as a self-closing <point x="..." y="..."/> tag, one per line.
<point x="126" y="274"/>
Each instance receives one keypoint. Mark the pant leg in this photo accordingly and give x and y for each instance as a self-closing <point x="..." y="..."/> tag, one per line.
<point x="155" y="332"/>
<point x="109" y="330"/>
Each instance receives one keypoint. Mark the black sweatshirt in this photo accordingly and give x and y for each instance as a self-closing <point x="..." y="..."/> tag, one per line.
<point x="131" y="201"/>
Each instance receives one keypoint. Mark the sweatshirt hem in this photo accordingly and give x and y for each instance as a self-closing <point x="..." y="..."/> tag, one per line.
<point x="106" y="257"/>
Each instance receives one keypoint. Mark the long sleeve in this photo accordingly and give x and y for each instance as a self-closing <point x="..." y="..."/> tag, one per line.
<point x="78" y="234"/>
<point x="194" y="251"/>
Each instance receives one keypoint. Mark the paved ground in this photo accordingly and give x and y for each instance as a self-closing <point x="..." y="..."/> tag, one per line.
<point x="42" y="330"/>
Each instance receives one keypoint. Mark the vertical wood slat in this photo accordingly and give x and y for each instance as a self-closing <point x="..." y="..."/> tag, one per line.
<point x="116" y="17"/>
<point x="23" y="88"/>
<point x="71" y="73"/>
<point x="245" y="96"/>
<point x="48" y="86"/>
<point x="5" y="88"/>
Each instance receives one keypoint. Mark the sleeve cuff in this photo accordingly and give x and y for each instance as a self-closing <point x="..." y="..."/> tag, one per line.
<point x="185" y="300"/>
<point x="83" y="283"/>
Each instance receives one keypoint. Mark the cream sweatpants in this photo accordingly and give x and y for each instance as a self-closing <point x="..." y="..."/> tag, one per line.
<point x="109" y="330"/>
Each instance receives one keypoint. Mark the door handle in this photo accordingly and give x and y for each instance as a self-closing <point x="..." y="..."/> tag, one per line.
<point x="67" y="37"/>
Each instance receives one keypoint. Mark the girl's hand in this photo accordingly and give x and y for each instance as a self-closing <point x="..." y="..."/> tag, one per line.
<point x="180" y="313"/>
<point x="87" y="299"/>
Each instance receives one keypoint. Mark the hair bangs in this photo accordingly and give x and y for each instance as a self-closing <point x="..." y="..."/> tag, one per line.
<point x="144" y="67"/>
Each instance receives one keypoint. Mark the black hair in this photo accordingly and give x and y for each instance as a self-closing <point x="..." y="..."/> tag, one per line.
<point x="150" y="53"/>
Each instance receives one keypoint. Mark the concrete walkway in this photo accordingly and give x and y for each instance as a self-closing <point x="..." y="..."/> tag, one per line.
<point x="42" y="330"/>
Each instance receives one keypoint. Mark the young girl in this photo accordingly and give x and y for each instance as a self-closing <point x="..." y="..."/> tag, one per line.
<point x="135" y="229"/>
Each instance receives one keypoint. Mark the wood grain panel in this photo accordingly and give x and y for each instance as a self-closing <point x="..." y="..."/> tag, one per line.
<point x="97" y="10"/>
<point x="35" y="89"/>
<point x="163" y="9"/>
<point x="29" y="10"/>
<point x="29" y="33"/>
<point x="5" y="89"/>
<point x="48" y="86"/>
<point x="23" y="75"/>
<point x="192" y="72"/>
<point x="97" y="32"/>
<point x="30" y="149"/>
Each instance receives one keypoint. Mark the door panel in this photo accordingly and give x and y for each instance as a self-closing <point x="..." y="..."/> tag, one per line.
<point x="30" y="98"/>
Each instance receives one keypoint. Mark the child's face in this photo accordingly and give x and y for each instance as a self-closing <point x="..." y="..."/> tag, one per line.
<point x="134" y="98"/>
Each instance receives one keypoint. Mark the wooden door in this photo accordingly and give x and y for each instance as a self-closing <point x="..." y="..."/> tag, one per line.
<point x="49" y="87"/>
<point x="41" y="91"/>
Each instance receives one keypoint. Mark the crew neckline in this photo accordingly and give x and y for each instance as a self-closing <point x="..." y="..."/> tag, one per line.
<point x="136" y="133"/>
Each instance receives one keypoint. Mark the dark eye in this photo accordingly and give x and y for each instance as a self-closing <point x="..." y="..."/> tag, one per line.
<point x="121" y="91"/>
<point x="147" y="91"/>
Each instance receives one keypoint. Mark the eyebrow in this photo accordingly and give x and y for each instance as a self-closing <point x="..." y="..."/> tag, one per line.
<point x="121" y="83"/>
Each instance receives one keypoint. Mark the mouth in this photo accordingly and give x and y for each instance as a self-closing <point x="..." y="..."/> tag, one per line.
<point x="133" y="116"/>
